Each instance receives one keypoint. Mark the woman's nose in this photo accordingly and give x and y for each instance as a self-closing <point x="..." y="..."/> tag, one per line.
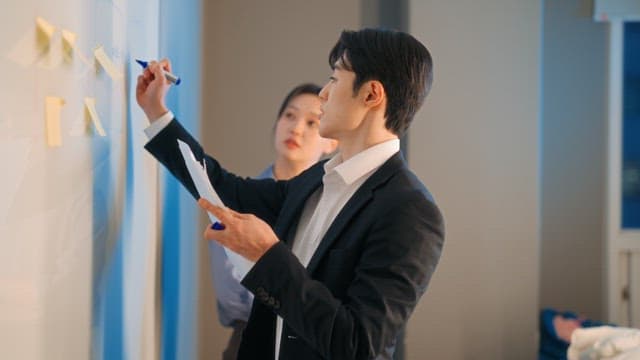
<point x="297" y="126"/>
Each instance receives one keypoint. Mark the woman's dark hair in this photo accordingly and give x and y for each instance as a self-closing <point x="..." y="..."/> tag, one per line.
<point x="307" y="88"/>
<point x="400" y="62"/>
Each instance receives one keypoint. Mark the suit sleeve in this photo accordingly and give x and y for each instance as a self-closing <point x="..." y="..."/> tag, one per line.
<point x="262" y="198"/>
<point x="392" y="272"/>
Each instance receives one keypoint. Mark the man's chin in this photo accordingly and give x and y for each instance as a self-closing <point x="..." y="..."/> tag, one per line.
<point x="324" y="132"/>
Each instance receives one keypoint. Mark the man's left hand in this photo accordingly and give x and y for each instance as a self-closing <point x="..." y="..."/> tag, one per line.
<point x="244" y="234"/>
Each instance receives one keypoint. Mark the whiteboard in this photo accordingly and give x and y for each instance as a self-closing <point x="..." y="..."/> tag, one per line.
<point x="77" y="221"/>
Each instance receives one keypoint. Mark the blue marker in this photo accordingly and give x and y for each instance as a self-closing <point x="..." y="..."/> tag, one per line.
<point x="217" y="226"/>
<point x="172" y="78"/>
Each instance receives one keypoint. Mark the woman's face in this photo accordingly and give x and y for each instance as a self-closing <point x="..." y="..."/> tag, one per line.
<point x="296" y="135"/>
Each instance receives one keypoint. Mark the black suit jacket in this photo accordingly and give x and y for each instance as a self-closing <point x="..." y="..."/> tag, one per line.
<point x="363" y="281"/>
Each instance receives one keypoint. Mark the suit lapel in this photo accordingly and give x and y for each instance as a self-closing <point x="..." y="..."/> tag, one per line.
<point x="300" y="190"/>
<point x="361" y="197"/>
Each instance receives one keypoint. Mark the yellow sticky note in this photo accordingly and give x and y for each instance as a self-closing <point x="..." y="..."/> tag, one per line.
<point x="53" y="108"/>
<point x="90" y="104"/>
<point x="69" y="39"/>
<point x="45" y="27"/>
<point x="25" y="52"/>
<point x="70" y="49"/>
<point x="106" y="63"/>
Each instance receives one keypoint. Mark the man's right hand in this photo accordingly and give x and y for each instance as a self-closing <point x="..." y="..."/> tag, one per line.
<point x="152" y="89"/>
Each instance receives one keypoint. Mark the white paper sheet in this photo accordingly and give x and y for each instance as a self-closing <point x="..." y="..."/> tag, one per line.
<point x="205" y="190"/>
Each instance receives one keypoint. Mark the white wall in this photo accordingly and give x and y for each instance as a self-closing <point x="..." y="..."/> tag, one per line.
<point x="475" y="144"/>
<point x="573" y="158"/>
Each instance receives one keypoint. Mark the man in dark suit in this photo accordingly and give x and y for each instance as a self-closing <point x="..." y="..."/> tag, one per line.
<point x="342" y="253"/>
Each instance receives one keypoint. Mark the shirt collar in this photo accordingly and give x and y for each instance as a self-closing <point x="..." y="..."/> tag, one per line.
<point x="267" y="173"/>
<point x="363" y="162"/>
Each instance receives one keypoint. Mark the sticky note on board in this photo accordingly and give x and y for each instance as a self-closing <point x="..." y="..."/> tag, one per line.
<point x="25" y="52"/>
<point x="68" y="44"/>
<point x="68" y="41"/>
<point x="45" y="29"/>
<point x="107" y="64"/>
<point x="90" y="105"/>
<point x="69" y="38"/>
<point x="53" y="108"/>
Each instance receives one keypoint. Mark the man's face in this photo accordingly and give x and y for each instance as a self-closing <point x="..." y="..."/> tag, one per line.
<point x="342" y="111"/>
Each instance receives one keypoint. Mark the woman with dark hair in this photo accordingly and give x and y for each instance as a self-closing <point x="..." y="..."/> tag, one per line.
<point x="298" y="145"/>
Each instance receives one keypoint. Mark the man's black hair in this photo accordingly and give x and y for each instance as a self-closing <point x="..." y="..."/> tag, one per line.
<point x="400" y="62"/>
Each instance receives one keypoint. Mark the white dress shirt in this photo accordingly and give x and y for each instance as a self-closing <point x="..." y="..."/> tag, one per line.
<point x="340" y="181"/>
<point x="156" y="126"/>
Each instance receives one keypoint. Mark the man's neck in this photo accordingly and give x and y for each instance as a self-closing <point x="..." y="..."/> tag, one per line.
<point x="350" y="146"/>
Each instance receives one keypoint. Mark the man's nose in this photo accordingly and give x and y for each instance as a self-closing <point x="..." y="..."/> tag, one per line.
<point x="323" y="93"/>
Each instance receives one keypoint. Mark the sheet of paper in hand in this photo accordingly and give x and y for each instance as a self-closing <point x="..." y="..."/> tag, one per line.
<point x="200" y="179"/>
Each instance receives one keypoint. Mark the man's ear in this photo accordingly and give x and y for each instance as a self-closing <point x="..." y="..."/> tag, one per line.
<point x="375" y="94"/>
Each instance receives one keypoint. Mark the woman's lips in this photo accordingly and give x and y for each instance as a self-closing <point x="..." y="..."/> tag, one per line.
<point x="291" y="144"/>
